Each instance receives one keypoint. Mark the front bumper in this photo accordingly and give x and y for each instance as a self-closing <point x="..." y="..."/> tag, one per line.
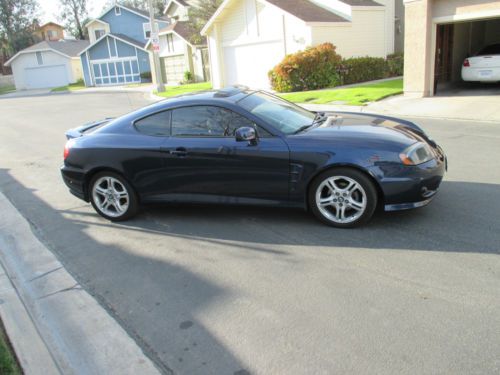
<point x="414" y="186"/>
<point x="74" y="179"/>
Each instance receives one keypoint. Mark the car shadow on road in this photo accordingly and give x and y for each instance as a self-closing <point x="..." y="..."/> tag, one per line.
<point x="158" y="303"/>
<point x="463" y="217"/>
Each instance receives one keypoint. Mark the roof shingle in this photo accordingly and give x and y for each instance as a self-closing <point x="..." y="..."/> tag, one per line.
<point x="308" y="11"/>
<point x="70" y="48"/>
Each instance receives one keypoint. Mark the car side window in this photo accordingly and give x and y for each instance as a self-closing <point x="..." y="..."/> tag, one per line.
<point x="207" y="121"/>
<point x="155" y="125"/>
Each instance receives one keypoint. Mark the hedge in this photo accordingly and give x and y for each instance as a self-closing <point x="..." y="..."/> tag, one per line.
<point x="361" y="69"/>
<point x="321" y="67"/>
<point x="311" y="69"/>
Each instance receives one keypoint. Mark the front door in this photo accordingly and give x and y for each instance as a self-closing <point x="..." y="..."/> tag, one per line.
<point x="205" y="163"/>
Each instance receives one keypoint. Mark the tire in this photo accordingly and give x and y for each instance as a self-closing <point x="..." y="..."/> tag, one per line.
<point x="343" y="198"/>
<point x="113" y="197"/>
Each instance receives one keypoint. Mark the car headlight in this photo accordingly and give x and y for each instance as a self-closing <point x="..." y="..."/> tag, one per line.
<point x="417" y="153"/>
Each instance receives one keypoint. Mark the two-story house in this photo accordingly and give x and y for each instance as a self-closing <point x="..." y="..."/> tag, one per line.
<point x="50" y="32"/>
<point x="179" y="53"/>
<point x="117" y="52"/>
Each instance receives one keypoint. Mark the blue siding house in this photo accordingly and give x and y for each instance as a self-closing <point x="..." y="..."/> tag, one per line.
<point x="117" y="52"/>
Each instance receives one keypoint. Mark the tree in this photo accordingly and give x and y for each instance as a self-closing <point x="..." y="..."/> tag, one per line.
<point x="199" y="14"/>
<point x="73" y="13"/>
<point x="18" y="21"/>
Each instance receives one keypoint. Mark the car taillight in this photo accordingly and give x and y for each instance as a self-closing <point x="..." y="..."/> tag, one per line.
<point x="466" y="63"/>
<point x="67" y="148"/>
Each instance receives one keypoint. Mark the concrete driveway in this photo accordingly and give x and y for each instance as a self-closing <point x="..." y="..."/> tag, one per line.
<point x="232" y="290"/>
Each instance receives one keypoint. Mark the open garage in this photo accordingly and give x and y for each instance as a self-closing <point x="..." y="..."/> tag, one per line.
<point x="439" y="36"/>
<point x="467" y="45"/>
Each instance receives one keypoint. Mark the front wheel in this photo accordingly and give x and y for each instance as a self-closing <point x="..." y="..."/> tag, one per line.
<point x="112" y="197"/>
<point x="343" y="198"/>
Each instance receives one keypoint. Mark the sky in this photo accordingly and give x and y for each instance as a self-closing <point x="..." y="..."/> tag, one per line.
<point x="49" y="9"/>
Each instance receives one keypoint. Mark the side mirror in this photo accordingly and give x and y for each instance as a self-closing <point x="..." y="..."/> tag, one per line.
<point x="246" y="134"/>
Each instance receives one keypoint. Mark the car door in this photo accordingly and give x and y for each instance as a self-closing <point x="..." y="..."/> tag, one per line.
<point x="204" y="162"/>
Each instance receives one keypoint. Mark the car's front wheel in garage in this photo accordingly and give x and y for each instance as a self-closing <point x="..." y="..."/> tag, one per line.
<point x="112" y="196"/>
<point x="343" y="198"/>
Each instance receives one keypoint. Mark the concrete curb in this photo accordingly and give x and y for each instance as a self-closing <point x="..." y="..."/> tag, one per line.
<point x="81" y="337"/>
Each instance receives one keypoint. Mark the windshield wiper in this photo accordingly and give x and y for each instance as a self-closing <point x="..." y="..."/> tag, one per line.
<point x="320" y="117"/>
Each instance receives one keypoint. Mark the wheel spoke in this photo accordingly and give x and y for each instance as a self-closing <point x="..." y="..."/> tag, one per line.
<point x="100" y="190"/>
<point x="358" y="206"/>
<point x="328" y="201"/>
<point x="351" y="187"/>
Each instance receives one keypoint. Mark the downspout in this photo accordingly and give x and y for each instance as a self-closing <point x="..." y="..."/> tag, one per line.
<point x="284" y="34"/>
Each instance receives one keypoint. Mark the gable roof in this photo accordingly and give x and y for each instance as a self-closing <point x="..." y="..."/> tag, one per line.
<point x="304" y="10"/>
<point x="64" y="47"/>
<point x="121" y="38"/>
<point x="307" y="11"/>
<point x="362" y="3"/>
<point x="50" y="23"/>
<point x="181" y="29"/>
<point x="139" y="12"/>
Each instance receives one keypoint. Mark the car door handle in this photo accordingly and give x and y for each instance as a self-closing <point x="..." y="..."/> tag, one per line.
<point x="181" y="151"/>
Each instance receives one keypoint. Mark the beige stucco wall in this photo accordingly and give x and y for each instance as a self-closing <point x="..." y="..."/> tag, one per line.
<point x="421" y="20"/>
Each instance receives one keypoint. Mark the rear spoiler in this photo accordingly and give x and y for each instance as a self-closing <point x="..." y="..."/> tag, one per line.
<point x="78" y="132"/>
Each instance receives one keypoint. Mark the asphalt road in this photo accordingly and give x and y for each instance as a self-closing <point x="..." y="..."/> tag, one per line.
<point x="232" y="290"/>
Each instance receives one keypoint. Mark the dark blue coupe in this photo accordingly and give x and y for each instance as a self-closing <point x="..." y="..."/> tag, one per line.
<point x="238" y="146"/>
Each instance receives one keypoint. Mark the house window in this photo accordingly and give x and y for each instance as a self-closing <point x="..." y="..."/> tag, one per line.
<point x="99" y="33"/>
<point x="170" y="43"/>
<point x="39" y="58"/>
<point x="52" y="34"/>
<point x="118" y="11"/>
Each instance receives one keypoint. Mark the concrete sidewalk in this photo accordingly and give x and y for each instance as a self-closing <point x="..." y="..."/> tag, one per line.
<point x="469" y="108"/>
<point x="54" y="324"/>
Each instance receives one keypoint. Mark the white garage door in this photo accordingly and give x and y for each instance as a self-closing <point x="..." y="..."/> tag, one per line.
<point x="248" y="65"/>
<point x="46" y="76"/>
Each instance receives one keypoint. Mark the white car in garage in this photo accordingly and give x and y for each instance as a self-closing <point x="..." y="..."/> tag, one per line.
<point x="484" y="66"/>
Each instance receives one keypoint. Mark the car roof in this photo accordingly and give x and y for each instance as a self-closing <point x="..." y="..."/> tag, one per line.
<point x="230" y="94"/>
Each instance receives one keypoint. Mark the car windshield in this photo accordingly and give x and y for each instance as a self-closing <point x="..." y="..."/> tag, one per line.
<point x="282" y="115"/>
<point x="494" y="49"/>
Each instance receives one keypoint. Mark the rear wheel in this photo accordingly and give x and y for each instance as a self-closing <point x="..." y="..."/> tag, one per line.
<point x="112" y="196"/>
<point x="343" y="198"/>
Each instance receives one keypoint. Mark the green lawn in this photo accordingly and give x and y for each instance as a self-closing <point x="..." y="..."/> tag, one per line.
<point x="6" y="89"/>
<point x="8" y="364"/>
<point x="359" y="95"/>
<point x="72" y="87"/>
<point x="184" y="89"/>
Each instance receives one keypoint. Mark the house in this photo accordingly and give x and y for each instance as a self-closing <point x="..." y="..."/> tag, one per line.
<point x="439" y="35"/>
<point x="50" y="32"/>
<point x="247" y="38"/>
<point x="117" y="52"/>
<point x="48" y="64"/>
<point x="178" y="52"/>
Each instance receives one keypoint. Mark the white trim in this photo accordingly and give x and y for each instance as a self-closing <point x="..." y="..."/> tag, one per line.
<point x="170" y="3"/>
<point x="106" y="11"/>
<point x="109" y="49"/>
<point x="116" y="48"/>
<point x="8" y="62"/>
<point x="119" y="13"/>
<point x="115" y="37"/>
<point x="101" y="61"/>
<point x="176" y="33"/>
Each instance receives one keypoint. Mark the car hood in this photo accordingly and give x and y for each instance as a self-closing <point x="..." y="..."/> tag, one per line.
<point x="367" y="130"/>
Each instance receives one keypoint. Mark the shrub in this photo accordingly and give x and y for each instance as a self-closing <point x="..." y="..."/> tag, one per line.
<point x="314" y="68"/>
<point x="146" y="76"/>
<point x="362" y="69"/>
<point x="188" y="77"/>
<point x="395" y="64"/>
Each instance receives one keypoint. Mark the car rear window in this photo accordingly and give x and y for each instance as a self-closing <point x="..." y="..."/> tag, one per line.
<point x="155" y="125"/>
<point x="493" y="49"/>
